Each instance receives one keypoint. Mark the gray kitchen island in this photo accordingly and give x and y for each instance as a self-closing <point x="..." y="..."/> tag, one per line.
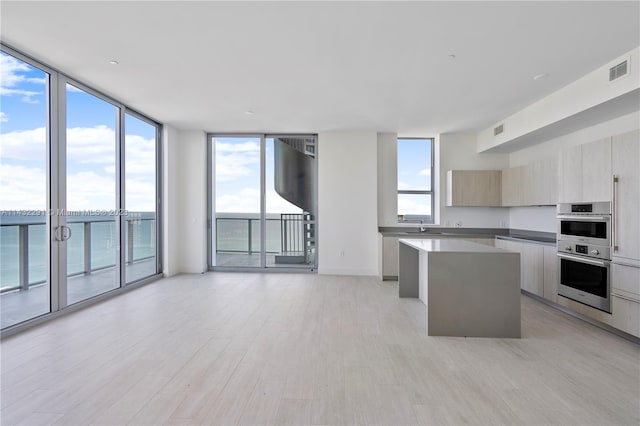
<point x="470" y="289"/>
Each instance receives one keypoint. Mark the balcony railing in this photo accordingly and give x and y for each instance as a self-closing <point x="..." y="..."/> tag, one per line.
<point x="91" y="247"/>
<point x="288" y="235"/>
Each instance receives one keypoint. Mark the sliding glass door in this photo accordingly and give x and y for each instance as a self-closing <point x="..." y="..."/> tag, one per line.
<point x="263" y="201"/>
<point x="24" y="252"/>
<point x="78" y="193"/>
<point x="91" y="195"/>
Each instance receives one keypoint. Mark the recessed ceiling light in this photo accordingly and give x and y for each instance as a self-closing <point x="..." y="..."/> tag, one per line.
<point x="249" y="112"/>
<point x="540" y="76"/>
<point x="114" y="62"/>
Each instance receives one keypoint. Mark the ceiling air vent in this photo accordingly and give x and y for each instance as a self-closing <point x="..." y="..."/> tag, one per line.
<point x="619" y="70"/>
<point x="497" y="130"/>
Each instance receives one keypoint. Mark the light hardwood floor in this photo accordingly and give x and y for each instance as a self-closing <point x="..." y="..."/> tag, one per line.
<point x="223" y="348"/>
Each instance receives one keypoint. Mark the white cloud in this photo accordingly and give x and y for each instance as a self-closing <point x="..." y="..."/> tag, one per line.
<point x="24" y="144"/>
<point x="245" y="201"/>
<point x="408" y="205"/>
<point x="425" y="172"/>
<point x="9" y="69"/>
<point x="90" y="191"/>
<point x="248" y="201"/>
<point x="10" y="77"/>
<point x="3" y="117"/>
<point x="22" y="188"/>
<point x="234" y="161"/>
<point x="248" y="146"/>
<point x="86" y="145"/>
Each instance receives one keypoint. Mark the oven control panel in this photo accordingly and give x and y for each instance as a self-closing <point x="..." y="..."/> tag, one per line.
<point x="587" y="250"/>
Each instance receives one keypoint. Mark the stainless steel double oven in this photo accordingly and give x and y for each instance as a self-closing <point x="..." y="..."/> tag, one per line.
<point x="584" y="253"/>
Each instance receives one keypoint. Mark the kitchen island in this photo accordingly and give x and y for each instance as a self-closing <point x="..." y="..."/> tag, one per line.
<point x="470" y="289"/>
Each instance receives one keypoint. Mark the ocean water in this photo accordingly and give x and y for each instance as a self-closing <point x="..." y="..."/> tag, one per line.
<point x="103" y="248"/>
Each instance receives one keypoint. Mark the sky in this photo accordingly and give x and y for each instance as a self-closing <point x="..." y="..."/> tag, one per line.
<point x="91" y="146"/>
<point x="414" y="173"/>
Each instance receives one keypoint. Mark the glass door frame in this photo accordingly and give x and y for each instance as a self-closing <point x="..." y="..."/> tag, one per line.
<point x="211" y="219"/>
<point x="56" y="194"/>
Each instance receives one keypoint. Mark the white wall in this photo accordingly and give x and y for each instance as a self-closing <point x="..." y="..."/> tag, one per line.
<point x="192" y="201"/>
<point x="170" y="222"/>
<point x="458" y="152"/>
<point x="387" y="179"/>
<point x="347" y="203"/>
<point x="544" y="218"/>
<point x="589" y="91"/>
<point x="184" y="201"/>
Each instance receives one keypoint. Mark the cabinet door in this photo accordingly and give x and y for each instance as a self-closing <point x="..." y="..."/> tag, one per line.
<point x="596" y="171"/>
<point x="511" y="187"/>
<point x="545" y="175"/>
<point x="625" y="298"/>
<point x="532" y="260"/>
<point x="528" y="185"/>
<point x="550" y="291"/>
<point x="625" y="281"/>
<point x="625" y="163"/>
<point x="474" y="188"/>
<point x="625" y="315"/>
<point x="390" y="257"/>
<point x="570" y="175"/>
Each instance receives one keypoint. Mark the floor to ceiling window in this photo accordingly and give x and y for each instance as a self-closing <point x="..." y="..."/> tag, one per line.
<point x="24" y="254"/>
<point x="263" y="201"/>
<point x="78" y="192"/>
<point x="141" y="200"/>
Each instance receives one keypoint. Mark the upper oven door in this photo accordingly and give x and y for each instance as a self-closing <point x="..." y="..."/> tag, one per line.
<point x="585" y="229"/>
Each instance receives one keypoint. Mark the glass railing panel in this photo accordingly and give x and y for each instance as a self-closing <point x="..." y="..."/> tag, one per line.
<point x="9" y="259"/>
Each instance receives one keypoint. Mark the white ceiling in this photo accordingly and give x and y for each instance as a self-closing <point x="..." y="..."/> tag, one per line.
<point x="322" y="66"/>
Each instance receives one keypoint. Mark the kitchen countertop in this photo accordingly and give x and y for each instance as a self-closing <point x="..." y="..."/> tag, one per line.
<point x="448" y="245"/>
<point x="544" y="238"/>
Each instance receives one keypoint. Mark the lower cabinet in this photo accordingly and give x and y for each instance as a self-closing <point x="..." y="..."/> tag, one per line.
<point x="625" y="298"/>
<point x="390" y="257"/>
<point x="550" y="290"/>
<point x="538" y="267"/>
<point x="532" y="261"/>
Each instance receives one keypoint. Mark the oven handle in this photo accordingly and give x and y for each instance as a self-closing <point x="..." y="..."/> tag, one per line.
<point x="604" y="264"/>
<point x="584" y="218"/>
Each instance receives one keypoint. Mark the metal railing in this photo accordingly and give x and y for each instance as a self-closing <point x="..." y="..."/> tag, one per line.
<point x="25" y="225"/>
<point x="290" y="233"/>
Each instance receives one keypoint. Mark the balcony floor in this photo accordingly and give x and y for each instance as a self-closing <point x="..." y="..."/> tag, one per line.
<point x="18" y="306"/>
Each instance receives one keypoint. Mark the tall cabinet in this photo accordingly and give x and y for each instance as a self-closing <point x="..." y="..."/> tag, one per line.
<point x="626" y="210"/>
<point x="625" y="268"/>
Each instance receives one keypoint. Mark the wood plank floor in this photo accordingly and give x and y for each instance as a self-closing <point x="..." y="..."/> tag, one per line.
<point x="223" y="348"/>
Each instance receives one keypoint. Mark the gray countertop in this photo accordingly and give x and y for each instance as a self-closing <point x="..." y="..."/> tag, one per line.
<point x="544" y="238"/>
<point x="449" y="245"/>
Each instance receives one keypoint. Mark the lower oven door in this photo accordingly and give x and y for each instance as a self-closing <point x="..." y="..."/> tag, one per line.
<point x="585" y="280"/>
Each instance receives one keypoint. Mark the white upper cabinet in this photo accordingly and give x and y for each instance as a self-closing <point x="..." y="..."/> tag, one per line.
<point x="534" y="184"/>
<point x="570" y="175"/>
<point x="585" y="172"/>
<point x="596" y="171"/>
<point x="625" y="165"/>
